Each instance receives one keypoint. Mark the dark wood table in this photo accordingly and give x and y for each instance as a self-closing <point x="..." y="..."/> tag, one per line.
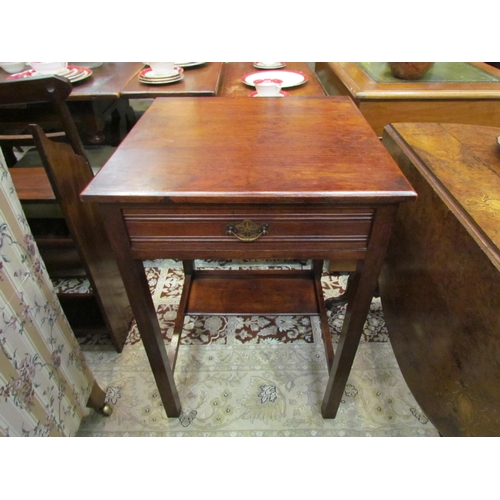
<point x="449" y="93"/>
<point x="231" y="178"/>
<point x="440" y="284"/>
<point x="198" y="81"/>
<point x="232" y="86"/>
<point x="96" y="99"/>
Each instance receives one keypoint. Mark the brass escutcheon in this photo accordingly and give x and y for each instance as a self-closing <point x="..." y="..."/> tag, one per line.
<point x="247" y="230"/>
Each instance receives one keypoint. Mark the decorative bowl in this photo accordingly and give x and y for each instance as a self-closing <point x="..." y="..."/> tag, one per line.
<point x="49" y="68"/>
<point x="12" y="67"/>
<point x="410" y="70"/>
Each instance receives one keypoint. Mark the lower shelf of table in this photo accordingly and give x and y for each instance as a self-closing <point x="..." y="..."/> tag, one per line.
<point x="252" y="292"/>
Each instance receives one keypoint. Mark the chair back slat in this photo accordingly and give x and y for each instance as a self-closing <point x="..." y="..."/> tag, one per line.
<point x="22" y="104"/>
<point x="32" y="90"/>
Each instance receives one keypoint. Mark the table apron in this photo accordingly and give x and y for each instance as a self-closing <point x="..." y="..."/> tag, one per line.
<point x="295" y="252"/>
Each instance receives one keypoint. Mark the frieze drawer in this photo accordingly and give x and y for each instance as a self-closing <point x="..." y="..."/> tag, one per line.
<point x="174" y="231"/>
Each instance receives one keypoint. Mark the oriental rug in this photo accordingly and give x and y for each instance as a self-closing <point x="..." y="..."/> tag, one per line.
<point x="251" y="375"/>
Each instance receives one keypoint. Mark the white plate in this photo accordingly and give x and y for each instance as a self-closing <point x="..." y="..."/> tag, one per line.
<point x="157" y="81"/>
<point x="188" y="64"/>
<point x="289" y="78"/>
<point x="72" y="73"/>
<point x="149" y="74"/>
<point x="84" y="73"/>
<point x="90" y="65"/>
<point x="263" y="65"/>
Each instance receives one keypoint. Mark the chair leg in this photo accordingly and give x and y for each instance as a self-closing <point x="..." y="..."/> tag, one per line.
<point x="8" y="154"/>
<point x="334" y="302"/>
<point x="97" y="401"/>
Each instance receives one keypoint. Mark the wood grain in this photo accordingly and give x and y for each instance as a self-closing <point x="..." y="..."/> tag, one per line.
<point x="440" y="285"/>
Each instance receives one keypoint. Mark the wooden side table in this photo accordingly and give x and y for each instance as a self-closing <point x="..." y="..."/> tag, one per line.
<point x="231" y="178"/>
<point x="449" y="93"/>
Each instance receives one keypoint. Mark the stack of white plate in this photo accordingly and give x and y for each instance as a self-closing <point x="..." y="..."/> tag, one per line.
<point x="269" y="65"/>
<point x="75" y="73"/>
<point x="148" y="76"/>
<point x="188" y="64"/>
<point x="72" y="73"/>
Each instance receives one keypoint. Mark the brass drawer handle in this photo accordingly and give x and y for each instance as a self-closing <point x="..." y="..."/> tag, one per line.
<point x="247" y="230"/>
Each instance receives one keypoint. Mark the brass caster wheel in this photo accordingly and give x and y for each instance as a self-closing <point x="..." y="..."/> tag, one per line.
<point x="105" y="411"/>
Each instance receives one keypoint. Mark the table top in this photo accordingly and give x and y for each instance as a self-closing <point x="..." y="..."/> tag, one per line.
<point x="465" y="161"/>
<point x="106" y="81"/>
<point x="233" y="86"/>
<point x="456" y="80"/>
<point x="202" y="80"/>
<point x="241" y="150"/>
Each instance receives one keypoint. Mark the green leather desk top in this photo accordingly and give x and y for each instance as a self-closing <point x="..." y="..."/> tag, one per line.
<point x="441" y="72"/>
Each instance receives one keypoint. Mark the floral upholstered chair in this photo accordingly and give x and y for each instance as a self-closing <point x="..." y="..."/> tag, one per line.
<point x="45" y="383"/>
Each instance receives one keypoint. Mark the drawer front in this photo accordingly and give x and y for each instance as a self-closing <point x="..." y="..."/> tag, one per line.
<point x="252" y="232"/>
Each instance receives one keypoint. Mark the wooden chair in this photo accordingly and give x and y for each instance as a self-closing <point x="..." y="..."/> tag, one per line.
<point x="37" y="100"/>
<point x="69" y="233"/>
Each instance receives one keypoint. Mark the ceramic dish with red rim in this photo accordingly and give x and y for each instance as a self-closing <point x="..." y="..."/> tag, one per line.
<point x="161" y="82"/>
<point x="289" y="78"/>
<point x="72" y="73"/>
<point x="281" y="93"/>
<point x="188" y="64"/>
<point x="149" y="74"/>
<point x="147" y="77"/>
<point x="269" y="65"/>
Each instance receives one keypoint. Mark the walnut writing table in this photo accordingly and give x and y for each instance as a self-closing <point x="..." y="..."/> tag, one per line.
<point x="231" y="178"/>
<point x="456" y="92"/>
<point x="440" y="283"/>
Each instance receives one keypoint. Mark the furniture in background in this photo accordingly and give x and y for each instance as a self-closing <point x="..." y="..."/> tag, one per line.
<point x="45" y="382"/>
<point x="440" y="284"/>
<point x="458" y="92"/>
<point x="300" y="178"/>
<point x="101" y="114"/>
<point x="199" y="81"/>
<point x="72" y="243"/>
<point x="232" y="85"/>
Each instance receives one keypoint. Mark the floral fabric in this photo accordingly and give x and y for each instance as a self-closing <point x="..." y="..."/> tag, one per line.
<point x="45" y="381"/>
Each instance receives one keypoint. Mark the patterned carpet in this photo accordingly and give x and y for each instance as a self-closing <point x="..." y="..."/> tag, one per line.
<point x="251" y="376"/>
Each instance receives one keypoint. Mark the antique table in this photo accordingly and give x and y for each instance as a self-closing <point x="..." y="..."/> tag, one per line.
<point x="97" y="98"/>
<point x="198" y="81"/>
<point x="231" y="178"/>
<point x="449" y="93"/>
<point x="440" y="283"/>
<point x="233" y="86"/>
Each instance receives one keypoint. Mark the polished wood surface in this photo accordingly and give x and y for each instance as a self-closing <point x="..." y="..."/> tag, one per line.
<point x="309" y="174"/>
<point x="106" y="81"/>
<point x="32" y="184"/>
<point x="440" y="285"/>
<point x="278" y="149"/>
<point x="203" y="80"/>
<point x="476" y="103"/>
<point x="95" y="101"/>
<point x="232" y="86"/>
<point x="98" y="100"/>
<point x="69" y="174"/>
